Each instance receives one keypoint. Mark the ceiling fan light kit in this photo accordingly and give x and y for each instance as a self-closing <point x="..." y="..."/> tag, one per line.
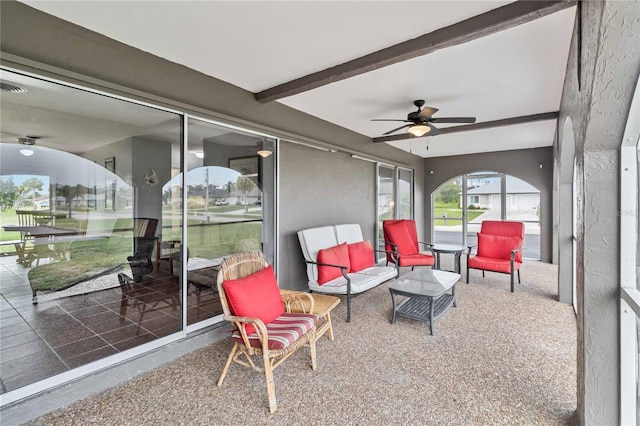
<point x="420" y="121"/>
<point x="419" y="130"/>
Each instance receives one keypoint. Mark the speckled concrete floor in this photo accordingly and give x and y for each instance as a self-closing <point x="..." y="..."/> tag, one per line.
<point x="497" y="358"/>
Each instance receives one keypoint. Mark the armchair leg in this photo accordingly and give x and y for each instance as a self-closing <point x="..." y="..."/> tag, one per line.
<point x="271" y="387"/>
<point x="519" y="277"/>
<point x="312" y="349"/>
<point x="512" y="283"/>
<point x="467" y="273"/>
<point x="226" y="366"/>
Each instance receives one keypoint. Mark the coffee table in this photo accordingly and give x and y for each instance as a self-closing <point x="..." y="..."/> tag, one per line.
<point x="322" y="307"/>
<point x="427" y="295"/>
<point x="456" y="250"/>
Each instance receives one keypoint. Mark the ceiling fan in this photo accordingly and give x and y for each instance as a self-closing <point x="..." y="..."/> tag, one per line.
<point x="420" y="121"/>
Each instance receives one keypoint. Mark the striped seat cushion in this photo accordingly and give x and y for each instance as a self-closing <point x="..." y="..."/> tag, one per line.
<point x="283" y="331"/>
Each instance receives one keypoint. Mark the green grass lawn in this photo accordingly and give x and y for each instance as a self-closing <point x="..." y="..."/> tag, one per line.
<point x="454" y="215"/>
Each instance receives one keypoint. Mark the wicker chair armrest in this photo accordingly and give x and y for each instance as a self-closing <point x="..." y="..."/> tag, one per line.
<point x="298" y="302"/>
<point x="241" y="322"/>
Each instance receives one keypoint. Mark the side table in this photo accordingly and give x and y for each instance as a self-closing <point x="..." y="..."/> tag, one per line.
<point x="322" y="307"/>
<point x="456" y="250"/>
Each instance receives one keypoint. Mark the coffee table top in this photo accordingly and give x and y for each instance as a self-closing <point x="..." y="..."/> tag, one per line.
<point x="424" y="282"/>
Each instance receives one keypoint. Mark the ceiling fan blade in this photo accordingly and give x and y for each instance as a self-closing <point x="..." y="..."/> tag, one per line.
<point x="388" y="119"/>
<point x="453" y="120"/>
<point x="434" y="130"/>
<point x="427" y="112"/>
<point x="395" y="130"/>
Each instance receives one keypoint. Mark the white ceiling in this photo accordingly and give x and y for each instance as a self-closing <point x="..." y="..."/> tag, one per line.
<point x="259" y="44"/>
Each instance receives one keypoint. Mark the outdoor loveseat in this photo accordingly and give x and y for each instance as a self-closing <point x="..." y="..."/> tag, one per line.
<point x="340" y="261"/>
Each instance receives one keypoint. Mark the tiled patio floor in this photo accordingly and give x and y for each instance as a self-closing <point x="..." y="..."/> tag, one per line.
<point x="40" y="340"/>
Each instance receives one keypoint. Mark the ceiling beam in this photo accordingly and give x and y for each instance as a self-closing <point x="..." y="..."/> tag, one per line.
<point x="496" y="20"/>
<point x="477" y="126"/>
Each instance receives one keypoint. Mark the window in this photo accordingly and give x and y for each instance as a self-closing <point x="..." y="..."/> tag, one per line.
<point x="474" y="199"/>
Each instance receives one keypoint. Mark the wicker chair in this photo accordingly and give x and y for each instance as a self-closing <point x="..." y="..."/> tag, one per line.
<point x="251" y="336"/>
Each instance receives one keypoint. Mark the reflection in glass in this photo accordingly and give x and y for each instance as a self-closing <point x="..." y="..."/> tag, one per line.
<point x="86" y="212"/>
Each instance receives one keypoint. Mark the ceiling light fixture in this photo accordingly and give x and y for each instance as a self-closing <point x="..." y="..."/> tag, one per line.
<point x="264" y="153"/>
<point x="199" y="154"/>
<point x="28" y="141"/>
<point x="419" y="130"/>
<point x="11" y="88"/>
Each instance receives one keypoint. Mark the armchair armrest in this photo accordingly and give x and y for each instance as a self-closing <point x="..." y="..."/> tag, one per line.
<point x="429" y="245"/>
<point x="469" y="248"/>
<point x="513" y="253"/>
<point x="394" y="254"/>
<point x="259" y="326"/>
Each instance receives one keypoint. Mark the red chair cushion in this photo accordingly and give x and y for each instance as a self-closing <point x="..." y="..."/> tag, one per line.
<point x="282" y="331"/>
<point x="360" y="256"/>
<point x="336" y="255"/>
<point x="498" y="247"/>
<point x="504" y="228"/>
<point x="496" y="265"/>
<point x="399" y="234"/>
<point x="256" y="295"/>
<point x="416" y="259"/>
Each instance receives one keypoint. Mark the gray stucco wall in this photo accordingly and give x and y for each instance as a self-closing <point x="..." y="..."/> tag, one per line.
<point x="320" y="188"/>
<point x="523" y="164"/>
<point x="596" y="110"/>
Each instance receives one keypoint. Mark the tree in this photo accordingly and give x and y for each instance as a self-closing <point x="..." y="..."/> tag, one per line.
<point x="33" y="185"/>
<point x="9" y="192"/>
<point x="449" y="193"/>
<point x="245" y="185"/>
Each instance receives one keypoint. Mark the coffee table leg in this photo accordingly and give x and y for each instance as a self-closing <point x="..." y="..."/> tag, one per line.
<point x="393" y="303"/>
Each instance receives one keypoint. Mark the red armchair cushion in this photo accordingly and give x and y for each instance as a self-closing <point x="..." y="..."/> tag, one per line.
<point x="360" y="256"/>
<point x="416" y="259"/>
<point x="400" y="235"/>
<point x="256" y="295"/>
<point x="336" y="255"/>
<point x="498" y="247"/>
<point x="496" y="265"/>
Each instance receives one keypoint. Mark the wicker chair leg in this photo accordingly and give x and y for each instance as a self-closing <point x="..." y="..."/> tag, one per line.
<point x="271" y="386"/>
<point x="226" y="366"/>
<point x="312" y="349"/>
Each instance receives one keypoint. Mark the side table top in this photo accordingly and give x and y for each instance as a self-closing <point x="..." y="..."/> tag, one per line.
<point x="448" y="248"/>
<point x="322" y="305"/>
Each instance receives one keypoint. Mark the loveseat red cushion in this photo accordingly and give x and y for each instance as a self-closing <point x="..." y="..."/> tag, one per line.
<point x="256" y="295"/>
<point x="498" y="247"/>
<point x="336" y="255"/>
<point x="360" y="255"/>
<point x="399" y="234"/>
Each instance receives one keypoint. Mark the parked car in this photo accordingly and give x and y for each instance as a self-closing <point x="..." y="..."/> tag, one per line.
<point x="222" y="202"/>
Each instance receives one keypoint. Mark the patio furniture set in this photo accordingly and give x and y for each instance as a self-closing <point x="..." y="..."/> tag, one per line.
<point x="272" y="324"/>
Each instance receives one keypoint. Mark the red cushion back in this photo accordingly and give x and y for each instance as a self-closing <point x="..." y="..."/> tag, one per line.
<point x="360" y="256"/>
<point x="499" y="247"/>
<point x="403" y="234"/>
<point x="336" y="255"/>
<point x="256" y="295"/>
<point x="505" y="228"/>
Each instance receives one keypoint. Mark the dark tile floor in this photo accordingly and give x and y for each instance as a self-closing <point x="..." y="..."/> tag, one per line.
<point x="60" y="332"/>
